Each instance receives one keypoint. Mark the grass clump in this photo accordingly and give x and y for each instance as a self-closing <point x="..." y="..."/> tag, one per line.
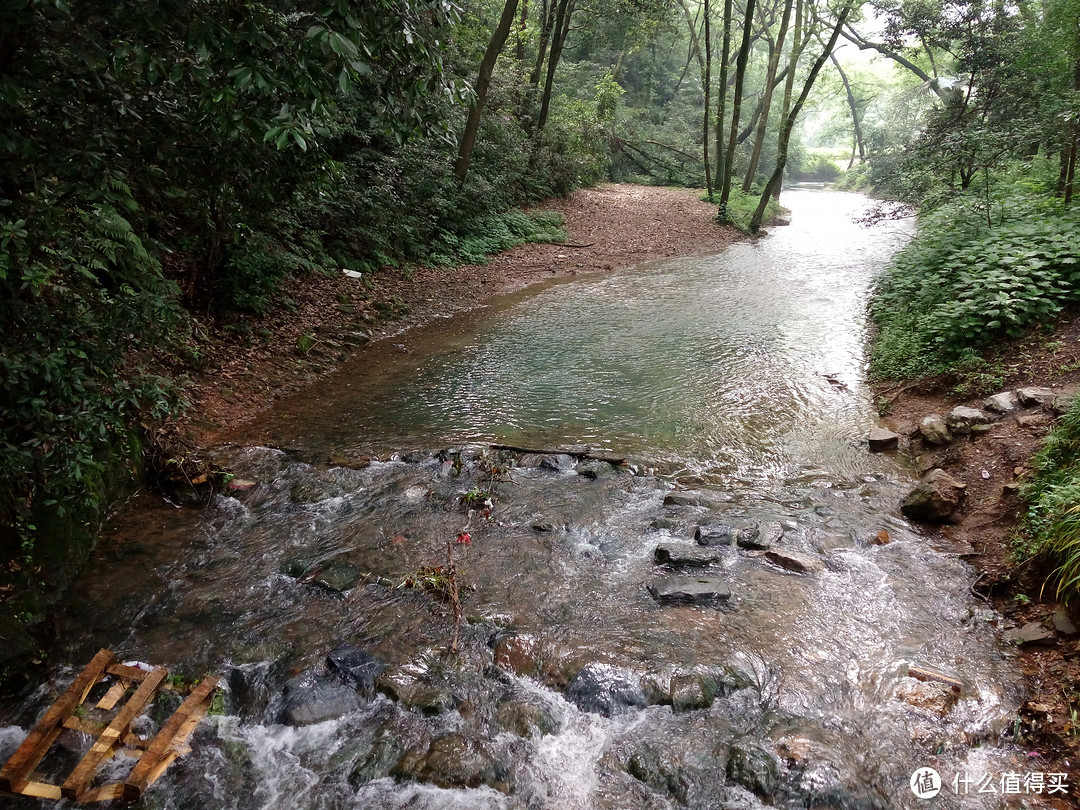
<point x="740" y="208"/>
<point x="1052" y="525"/>
<point x="970" y="278"/>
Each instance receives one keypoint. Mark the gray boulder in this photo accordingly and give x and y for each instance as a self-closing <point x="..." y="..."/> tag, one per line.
<point x="934" y="430"/>
<point x="695" y="497"/>
<point x="881" y="439"/>
<point x="753" y="538"/>
<point x="689" y="590"/>
<point x="1005" y="402"/>
<point x="606" y="690"/>
<point x="935" y="498"/>
<point x="312" y="698"/>
<point x="355" y="666"/>
<point x="1034" y="397"/>
<point x="714" y="534"/>
<point x="962" y="419"/>
<point x="559" y="463"/>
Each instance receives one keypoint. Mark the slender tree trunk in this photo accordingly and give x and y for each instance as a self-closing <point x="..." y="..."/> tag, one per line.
<point x="705" y="109"/>
<point x="789" y="123"/>
<point x="519" y="46"/>
<point x="558" y="39"/>
<point x="721" y="91"/>
<point x="854" y="107"/>
<point x="736" y="102"/>
<point x="797" y="45"/>
<point x="547" y="22"/>
<point x="766" y="101"/>
<point x="483" y="81"/>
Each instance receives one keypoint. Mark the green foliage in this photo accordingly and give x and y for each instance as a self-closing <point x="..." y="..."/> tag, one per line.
<point x="740" y="208"/>
<point x="964" y="282"/>
<point x="1052" y="525"/>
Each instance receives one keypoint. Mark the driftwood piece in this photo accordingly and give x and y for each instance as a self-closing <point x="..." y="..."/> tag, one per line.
<point x="930" y="676"/>
<point x="577" y="452"/>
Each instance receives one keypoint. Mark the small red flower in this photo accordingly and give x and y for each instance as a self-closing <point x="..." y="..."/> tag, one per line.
<point x="465" y="539"/>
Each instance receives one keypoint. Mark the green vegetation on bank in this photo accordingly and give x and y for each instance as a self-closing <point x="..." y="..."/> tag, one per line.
<point x="1052" y="525"/>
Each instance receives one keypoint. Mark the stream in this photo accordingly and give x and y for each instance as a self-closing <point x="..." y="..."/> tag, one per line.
<point x="734" y="386"/>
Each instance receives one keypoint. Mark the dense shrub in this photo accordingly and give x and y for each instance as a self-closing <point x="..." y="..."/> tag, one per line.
<point x="1053" y="495"/>
<point x="964" y="282"/>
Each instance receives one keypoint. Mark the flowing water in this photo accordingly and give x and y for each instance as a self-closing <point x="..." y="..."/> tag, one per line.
<point x="734" y="382"/>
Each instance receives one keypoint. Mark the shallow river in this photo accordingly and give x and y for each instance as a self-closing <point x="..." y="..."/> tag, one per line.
<point x="734" y="385"/>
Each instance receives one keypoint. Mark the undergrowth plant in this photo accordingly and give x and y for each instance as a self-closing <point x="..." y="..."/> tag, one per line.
<point x="972" y="276"/>
<point x="1052" y="525"/>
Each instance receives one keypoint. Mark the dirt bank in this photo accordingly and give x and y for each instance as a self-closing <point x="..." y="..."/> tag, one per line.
<point x="323" y="320"/>
<point x="993" y="465"/>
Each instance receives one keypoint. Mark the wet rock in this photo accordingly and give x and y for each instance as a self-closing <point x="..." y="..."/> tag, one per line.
<point x="355" y="666"/>
<point x="881" y="439"/>
<point x="936" y="698"/>
<point x="714" y="534"/>
<point x="350" y="462"/>
<point x="935" y="498"/>
<point x="594" y="469"/>
<point x="378" y="764"/>
<point x="544" y="526"/>
<point x="413" y="693"/>
<point x="961" y="419"/>
<point x="734" y="797"/>
<point x="1030" y="633"/>
<point x="662" y="768"/>
<point x="296" y="567"/>
<point x="934" y="430"/>
<point x="559" y="463"/>
<point x="337" y="576"/>
<point x="751" y="538"/>
<point x="186" y="494"/>
<point x="451" y="761"/>
<point x="795" y="561"/>
<point x="239" y="486"/>
<point x="754" y="768"/>
<point x="1005" y="402"/>
<point x="518" y="654"/>
<point x="689" y="590"/>
<point x="524" y="719"/>
<point x="769" y="534"/>
<point x="1035" y="397"/>
<point x="311" y="491"/>
<point x="312" y="698"/>
<point x="1063" y="623"/>
<point x="694" y="497"/>
<point x="665" y="523"/>
<point x="606" y="690"/>
<point x="677" y="558"/>
<point x="694" y="690"/>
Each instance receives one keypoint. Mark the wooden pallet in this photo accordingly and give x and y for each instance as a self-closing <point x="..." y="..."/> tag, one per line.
<point x="154" y="756"/>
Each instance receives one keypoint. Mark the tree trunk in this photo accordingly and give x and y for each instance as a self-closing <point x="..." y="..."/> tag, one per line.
<point x="766" y="101"/>
<point x="797" y="45"/>
<point x="789" y="122"/>
<point x="736" y="102"/>
<point x="558" y="39"/>
<point x="547" y="22"/>
<point x="519" y="46"/>
<point x="483" y="81"/>
<point x="858" y="144"/>
<point x="705" y="109"/>
<point x="721" y="91"/>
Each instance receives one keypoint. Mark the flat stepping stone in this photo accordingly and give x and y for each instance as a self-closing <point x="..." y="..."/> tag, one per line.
<point x="689" y="590"/>
<point x="1032" y="397"/>
<point x="1005" y="402"/>
<point x="881" y="439"/>
<point x="663" y="555"/>
<point x="1030" y="633"/>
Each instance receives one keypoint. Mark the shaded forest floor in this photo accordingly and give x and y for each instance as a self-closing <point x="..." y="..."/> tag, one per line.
<point x="321" y="321"/>
<point x="986" y="528"/>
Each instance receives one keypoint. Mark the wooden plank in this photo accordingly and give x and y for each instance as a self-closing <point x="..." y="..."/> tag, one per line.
<point x="41" y="790"/>
<point x="112" y="697"/>
<point x="105" y="793"/>
<point x="91" y="727"/>
<point x="163" y="749"/>
<point x="130" y="673"/>
<point x="79" y="780"/>
<point x="15" y="774"/>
